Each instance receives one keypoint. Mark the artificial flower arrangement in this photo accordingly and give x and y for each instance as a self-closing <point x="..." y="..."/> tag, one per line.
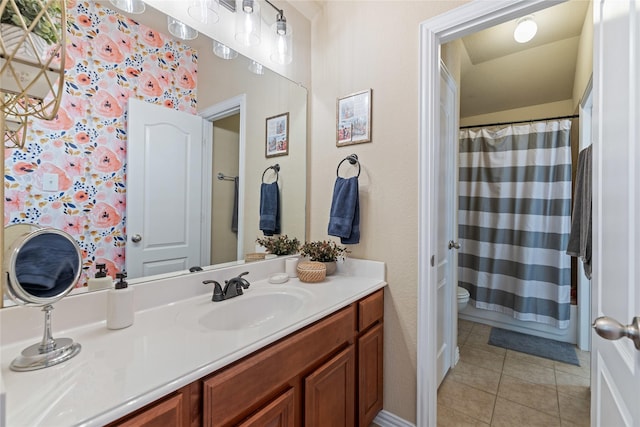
<point x="323" y="251"/>
<point x="280" y="245"/>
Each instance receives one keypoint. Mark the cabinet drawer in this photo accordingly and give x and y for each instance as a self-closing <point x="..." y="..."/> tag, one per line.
<point x="167" y="412"/>
<point x="370" y="310"/>
<point x="242" y="388"/>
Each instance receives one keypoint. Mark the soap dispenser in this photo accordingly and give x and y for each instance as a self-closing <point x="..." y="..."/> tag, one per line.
<point x="101" y="280"/>
<point x="120" y="304"/>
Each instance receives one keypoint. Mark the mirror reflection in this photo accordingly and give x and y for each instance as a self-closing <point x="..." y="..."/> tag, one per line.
<point x="74" y="174"/>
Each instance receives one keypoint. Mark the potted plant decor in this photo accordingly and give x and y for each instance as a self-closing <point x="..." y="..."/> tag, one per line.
<point x="281" y="245"/>
<point x="324" y="251"/>
<point x="46" y="29"/>
<point x="27" y="35"/>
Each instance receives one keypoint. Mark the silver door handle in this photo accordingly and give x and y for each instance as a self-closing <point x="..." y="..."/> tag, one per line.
<point x="611" y="329"/>
<point x="454" y="245"/>
<point x="136" y="238"/>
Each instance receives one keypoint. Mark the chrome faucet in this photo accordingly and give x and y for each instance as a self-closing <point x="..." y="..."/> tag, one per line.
<point x="232" y="288"/>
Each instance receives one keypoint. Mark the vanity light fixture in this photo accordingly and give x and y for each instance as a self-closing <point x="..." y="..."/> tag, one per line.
<point x="180" y="29"/>
<point x="256" y="68"/>
<point x="526" y="29"/>
<point x="223" y="51"/>
<point x="205" y="11"/>
<point x="129" y="6"/>
<point x="282" y="46"/>
<point x="248" y="22"/>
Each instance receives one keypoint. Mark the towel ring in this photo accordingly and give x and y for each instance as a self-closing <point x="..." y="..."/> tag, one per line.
<point x="276" y="168"/>
<point x="353" y="159"/>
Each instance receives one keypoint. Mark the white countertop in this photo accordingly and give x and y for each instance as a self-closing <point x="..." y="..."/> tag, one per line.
<point x="120" y="371"/>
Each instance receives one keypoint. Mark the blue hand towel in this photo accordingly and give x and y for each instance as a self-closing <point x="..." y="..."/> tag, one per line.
<point x="270" y="209"/>
<point x="234" y="212"/>
<point x="344" y="217"/>
<point x="46" y="265"/>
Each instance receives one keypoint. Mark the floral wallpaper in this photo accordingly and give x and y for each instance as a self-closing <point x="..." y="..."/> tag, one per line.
<point x="109" y="58"/>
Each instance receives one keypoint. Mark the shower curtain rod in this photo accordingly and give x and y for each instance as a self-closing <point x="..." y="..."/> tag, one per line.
<point x="574" y="116"/>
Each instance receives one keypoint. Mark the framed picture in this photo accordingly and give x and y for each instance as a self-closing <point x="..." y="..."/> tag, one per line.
<point x="353" y="122"/>
<point x="277" y="139"/>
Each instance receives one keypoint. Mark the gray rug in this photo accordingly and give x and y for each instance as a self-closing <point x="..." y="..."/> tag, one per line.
<point x="537" y="346"/>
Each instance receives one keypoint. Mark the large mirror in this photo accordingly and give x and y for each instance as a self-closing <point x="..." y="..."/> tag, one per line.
<point x="73" y="173"/>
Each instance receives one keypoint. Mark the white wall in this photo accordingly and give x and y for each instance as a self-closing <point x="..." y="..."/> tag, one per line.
<point x="374" y="44"/>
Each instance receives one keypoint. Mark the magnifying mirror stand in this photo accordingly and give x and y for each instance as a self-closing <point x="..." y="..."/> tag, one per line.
<point x="48" y="352"/>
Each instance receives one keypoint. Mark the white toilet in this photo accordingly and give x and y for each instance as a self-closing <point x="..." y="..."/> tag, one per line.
<point x="463" y="298"/>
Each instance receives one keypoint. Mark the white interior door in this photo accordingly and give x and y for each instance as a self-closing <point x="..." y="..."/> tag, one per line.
<point x="164" y="189"/>
<point x="445" y="255"/>
<point x="615" y="383"/>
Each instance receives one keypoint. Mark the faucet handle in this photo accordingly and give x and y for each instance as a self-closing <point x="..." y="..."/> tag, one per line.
<point x="218" y="295"/>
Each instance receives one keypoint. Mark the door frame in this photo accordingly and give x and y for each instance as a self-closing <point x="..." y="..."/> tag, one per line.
<point x="221" y="110"/>
<point x="451" y="25"/>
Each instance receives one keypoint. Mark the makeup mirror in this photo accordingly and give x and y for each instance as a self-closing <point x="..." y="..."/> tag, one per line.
<point x="42" y="265"/>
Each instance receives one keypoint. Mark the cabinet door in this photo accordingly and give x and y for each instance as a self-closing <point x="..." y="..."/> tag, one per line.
<point x="168" y="412"/>
<point x="370" y="375"/>
<point x="278" y="413"/>
<point x="330" y="392"/>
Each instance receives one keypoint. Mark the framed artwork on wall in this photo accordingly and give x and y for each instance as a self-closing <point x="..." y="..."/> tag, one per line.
<point x="353" y="118"/>
<point x="277" y="135"/>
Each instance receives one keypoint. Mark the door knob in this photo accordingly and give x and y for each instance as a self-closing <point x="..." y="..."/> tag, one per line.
<point x="454" y="245"/>
<point x="611" y="329"/>
<point x="136" y="238"/>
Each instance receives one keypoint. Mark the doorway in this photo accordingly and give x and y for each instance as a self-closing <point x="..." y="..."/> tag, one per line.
<point x="436" y="32"/>
<point x="225" y="143"/>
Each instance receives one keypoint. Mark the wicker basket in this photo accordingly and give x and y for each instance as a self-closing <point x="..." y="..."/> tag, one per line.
<point x="311" y="271"/>
<point x="255" y="256"/>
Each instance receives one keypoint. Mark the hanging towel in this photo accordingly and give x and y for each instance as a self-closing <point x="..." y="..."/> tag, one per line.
<point x="270" y="209"/>
<point x="45" y="265"/>
<point x="344" y="217"/>
<point x="234" y="213"/>
<point x="580" y="238"/>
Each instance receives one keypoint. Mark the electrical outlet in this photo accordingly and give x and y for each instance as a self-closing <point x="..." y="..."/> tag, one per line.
<point x="50" y="182"/>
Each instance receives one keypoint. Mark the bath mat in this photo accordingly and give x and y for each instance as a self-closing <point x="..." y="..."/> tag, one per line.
<point x="537" y="346"/>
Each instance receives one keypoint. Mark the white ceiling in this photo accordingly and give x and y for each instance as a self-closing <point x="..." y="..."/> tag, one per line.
<point x="497" y="73"/>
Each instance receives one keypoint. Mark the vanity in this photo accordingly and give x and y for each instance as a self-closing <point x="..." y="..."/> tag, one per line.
<point x="289" y="354"/>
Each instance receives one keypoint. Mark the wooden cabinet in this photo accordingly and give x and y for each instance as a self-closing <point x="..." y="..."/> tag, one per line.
<point x="278" y="413"/>
<point x="370" y="375"/>
<point x="330" y="392"/>
<point x="370" y="361"/>
<point x="327" y="374"/>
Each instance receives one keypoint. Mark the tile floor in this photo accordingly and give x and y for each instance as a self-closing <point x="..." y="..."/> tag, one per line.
<point x="492" y="386"/>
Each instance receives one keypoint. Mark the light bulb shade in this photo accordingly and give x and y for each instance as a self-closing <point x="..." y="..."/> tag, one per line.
<point x="205" y="11"/>
<point x="223" y="51"/>
<point x="282" y="44"/>
<point x="248" y="22"/>
<point x="256" y="68"/>
<point x="525" y="30"/>
<point x="180" y="29"/>
<point x="129" y="6"/>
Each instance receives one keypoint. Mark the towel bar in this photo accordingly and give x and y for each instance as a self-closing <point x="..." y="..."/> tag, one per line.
<point x="275" y="167"/>
<point x="353" y="159"/>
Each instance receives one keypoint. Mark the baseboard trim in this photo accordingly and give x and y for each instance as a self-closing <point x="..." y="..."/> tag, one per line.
<point x="387" y="419"/>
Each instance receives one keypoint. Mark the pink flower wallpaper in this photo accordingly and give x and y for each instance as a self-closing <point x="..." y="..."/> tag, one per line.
<point x="109" y="59"/>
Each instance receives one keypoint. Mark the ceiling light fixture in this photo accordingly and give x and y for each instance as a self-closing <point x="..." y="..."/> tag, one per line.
<point x="223" y="51"/>
<point x="256" y="68"/>
<point x="180" y="29"/>
<point x="526" y="29"/>
<point x="129" y="6"/>
<point x="248" y="22"/>
<point x="205" y="11"/>
<point x="282" y="46"/>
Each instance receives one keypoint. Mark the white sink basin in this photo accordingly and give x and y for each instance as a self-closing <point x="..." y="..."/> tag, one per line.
<point x="254" y="309"/>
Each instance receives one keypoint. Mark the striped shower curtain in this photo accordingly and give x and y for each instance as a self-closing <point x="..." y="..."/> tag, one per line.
<point x="515" y="218"/>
